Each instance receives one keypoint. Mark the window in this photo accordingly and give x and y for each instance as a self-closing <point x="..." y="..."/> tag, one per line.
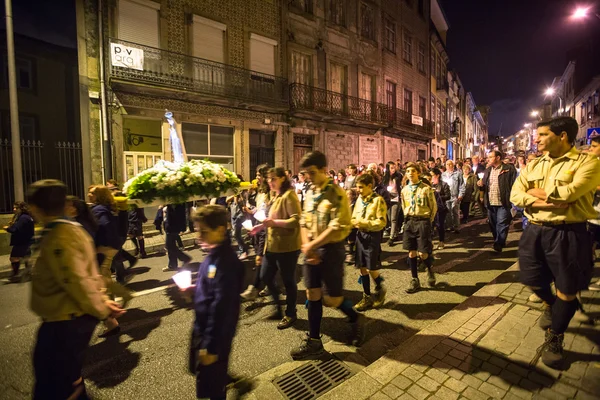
<point x="433" y="114"/>
<point x="337" y="78"/>
<point x="138" y="22"/>
<point x="303" y="5"/>
<point x="407" y="50"/>
<point x="432" y="62"/>
<point x="408" y="101"/>
<point x="390" y="94"/>
<point x="422" y="107"/>
<point x="208" y="141"/>
<point x="366" y="86"/>
<point x="421" y="8"/>
<point x="421" y="58"/>
<point x="262" y="54"/>
<point x="208" y="39"/>
<point x="301" y="66"/>
<point x="367" y="15"/>
<point x="390" y="35"/>
<point x="24" y="73"/>
<point x="336" y="12"/>
<point x="439" y="119"/>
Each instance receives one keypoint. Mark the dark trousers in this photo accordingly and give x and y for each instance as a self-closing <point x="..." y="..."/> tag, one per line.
<point x="286" y="263"/>
<point x="499" y="220"/>
<point x="173" y="251"/>
<point x="58" y="356"/>
<point x="239" y="237"/>
<point x="464" y="209"/>
<point x="440" y="223"/>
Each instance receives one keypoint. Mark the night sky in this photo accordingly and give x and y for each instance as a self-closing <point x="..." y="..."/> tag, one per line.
<point x="506" y="52"/>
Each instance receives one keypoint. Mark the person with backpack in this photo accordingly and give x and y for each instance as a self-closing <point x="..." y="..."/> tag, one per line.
<point x="442" y="195"/>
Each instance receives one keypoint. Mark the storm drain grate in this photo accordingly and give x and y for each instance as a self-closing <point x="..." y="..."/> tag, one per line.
<point x="312" y="380"/>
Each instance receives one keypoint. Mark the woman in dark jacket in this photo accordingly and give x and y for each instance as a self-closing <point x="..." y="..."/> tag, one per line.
<point x="21" y="230"/>
<point x="393" y="181"/>
<point x="81" y="213"/>
<point x="442" y="196"/>
<point x="470" y="188"/>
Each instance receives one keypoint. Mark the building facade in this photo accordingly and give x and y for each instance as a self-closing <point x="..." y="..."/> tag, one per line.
<point x="439" y="87"/>
<point x="587" y="110"/>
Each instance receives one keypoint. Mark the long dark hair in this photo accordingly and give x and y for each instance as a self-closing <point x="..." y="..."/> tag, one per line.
<point x="263" y="170"/>
<point x="388" y="176"/>
<point x="84" y="213"/>
<point x="22" y="208"/>
<point x="280" y="173"/>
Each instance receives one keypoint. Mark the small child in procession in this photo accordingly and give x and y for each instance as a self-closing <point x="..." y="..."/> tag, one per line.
<point x="351" y="240"/>
<point x="216" y="303"/>
<point x="370" y="218"/>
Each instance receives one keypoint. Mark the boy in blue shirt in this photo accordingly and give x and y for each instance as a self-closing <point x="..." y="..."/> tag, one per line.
<point x="216" y="303"/>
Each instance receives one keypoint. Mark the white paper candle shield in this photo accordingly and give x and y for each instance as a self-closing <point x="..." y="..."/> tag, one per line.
<point x="183" y="279"/>
<point x="480" y="175"/>
<point x="247" y="225"/>
<point x="260" y="216"/>
<point x="390" y="188"/>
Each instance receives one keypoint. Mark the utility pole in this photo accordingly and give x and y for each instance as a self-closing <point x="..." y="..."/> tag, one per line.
<point x="14" y="105"/>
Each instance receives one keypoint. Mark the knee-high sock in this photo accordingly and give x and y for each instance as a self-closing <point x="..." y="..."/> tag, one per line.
<point x="346" y="308"/>
<point x="366" y="284"/>
<point x="135" y="243"/>
<point x="545" y="293"/>
<point x="15" y="267"/>
<point x="315" y="315"/>
<point x="412" y="263"/>
<point x="562" y="312"/>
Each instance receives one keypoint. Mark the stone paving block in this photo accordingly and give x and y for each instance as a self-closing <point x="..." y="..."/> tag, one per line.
<point x="529" y="385"/>
<point x="482" y="355"/>
<point x="471" y="326"/>
<point x="380" y="396"/>
<point x="520" y="392"/>
<point x="442" y="366"/>
<point x="402" y="382"/>
<point x="564" y="389"/>
<point x="443" y="348"/>
<point x="473" y="394"/>
<point x="491" y="368"/>
<point x="449" y="342"/>
<point x="406" y="396"/>
<point x="576" y="370"/>
<point x="426" y="360"/>
<point x="540" y="379"/>
<point x="447" y="394"/>
<point x="472" y="381"/>
<point x="418" y="392"/>
<point x="412" y="374"/>
<point x="483" y="375"/>
<point x="464" y="348"/>
<point x="581" y="395"/>
<point x="551" y="394"/>
<point x="393" y="391"/>
<point x="456" y="385"/>
<point x="463" y="331"/>
<point x="437" y="375"/>
<point x="492" y="390"/>
<point x="521" y="358"/>
<point x="499" y="382"/>
<point x="506" y="347"/>
<point x="456" y="374"/>
<point x="510" y="377"/>
<point x="544" y="370"/>
<point x="385" y="369"/>
<point x="467" y="367"/>
<point x="420" y="367"/>
<point x="361" y="385"/>
<point x="458" y="336"/>
<point x="511" y="396"/>
<point x="437" y="354"/>
<point x="428" y="384"/>
<point x="458" y="354"/>
<point x="497" y="361"/>
<point x="451" y="361"/>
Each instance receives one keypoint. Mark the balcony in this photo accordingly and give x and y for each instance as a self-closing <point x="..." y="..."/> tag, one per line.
<point x="400" y="122"/>
<point x="442" y="85"/>
<point x="160" y="72"/>
<point x="337" y="107"/>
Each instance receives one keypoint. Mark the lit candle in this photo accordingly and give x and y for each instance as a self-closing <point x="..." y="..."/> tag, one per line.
<point x="247" y="225"/>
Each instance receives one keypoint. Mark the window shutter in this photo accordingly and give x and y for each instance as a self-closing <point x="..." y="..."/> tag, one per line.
<point x="138" y="22"/>
<point x="208" y="39"/>
<point x="262" y="54"/>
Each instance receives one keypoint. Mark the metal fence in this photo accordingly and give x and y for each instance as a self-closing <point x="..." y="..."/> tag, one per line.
<point x="63" y="162"/>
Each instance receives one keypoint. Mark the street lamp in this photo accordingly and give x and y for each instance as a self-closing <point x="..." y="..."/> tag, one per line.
<point x="535" y="113"/>
<point x="550" y="91"/>
<point x="583" y="12"/>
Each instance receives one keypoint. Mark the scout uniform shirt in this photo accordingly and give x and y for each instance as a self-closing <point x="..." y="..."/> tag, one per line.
<point x="571" y="178"/>
<point x="418" y="200"/>
<point x="372" y="210"/>
<point x="326" y="207"/>
<point x="65" y="282"/>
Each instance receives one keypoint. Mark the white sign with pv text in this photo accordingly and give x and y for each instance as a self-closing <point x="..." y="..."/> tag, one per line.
<point x="416" y="120"/>
<point x="126" y="57"/>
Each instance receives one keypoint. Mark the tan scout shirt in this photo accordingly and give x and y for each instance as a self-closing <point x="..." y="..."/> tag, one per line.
<point x="572" y="179"/>
<point x="419" y="201"/>
<point x="65" y="278"/>
<point x="372" y="211"/>
<point x="283" y="240"/>
<point x="326" y="207"/>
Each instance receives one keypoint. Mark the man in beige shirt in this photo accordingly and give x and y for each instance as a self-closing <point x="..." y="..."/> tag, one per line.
<point x="556" y="191"/>
<point x="66" y="292"/>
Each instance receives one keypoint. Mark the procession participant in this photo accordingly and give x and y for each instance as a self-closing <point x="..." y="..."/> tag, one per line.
<point x="216" y="304"/>
<point x="594" y="224"/>
<point x="442" y="195"/>
<point x="21" y="229"/>
<point x="393" y="181"/>
<point x="370" y="218"/>
<point x="420" y="208"/>
<point x="454" y="179"/>
<point x="557" y="192"/>
<point x="135" y="231"/>
<point x="351" y="174"/>
<point x="66" y="292"/>
<point x="352" y="196"/>
<point x="282" y="246"/>
<point x="470" y="188"/>
<point x="174" y="223"/>
<point x="325" y="224"/>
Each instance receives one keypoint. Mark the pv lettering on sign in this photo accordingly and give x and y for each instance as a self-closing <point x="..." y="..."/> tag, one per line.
<point x="416" y="120"/>
<point x="126" y="57"/>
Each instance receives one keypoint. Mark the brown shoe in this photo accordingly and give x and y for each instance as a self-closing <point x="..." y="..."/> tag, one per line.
<point x="286" y="322"/>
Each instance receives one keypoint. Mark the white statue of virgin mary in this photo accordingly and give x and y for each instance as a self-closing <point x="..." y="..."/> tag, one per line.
<point x="176" y="145"/>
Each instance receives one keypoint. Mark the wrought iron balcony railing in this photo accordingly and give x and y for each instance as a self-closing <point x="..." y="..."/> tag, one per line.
<point x="179" y="71"/>
<point x="403" y="119"/>
<point x="309" y="98"/>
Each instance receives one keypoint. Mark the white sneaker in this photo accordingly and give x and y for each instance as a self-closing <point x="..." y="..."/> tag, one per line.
<point x="534" y="298"/>
<point x="250" y="294"/>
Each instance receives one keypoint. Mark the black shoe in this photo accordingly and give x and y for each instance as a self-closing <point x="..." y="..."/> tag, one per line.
<point x="414" y="286"/>
<point x="552" y="355"/>
<point x="358" y="331"/>
<point x="545" y="321"/>
<point x="430" y="278"/>
<point x="114" y="331"/>
<point x="170" y="269"/>
<point x="286" y="322"/>
<point x="309" y="348"/>
<point x="497" y="248"/>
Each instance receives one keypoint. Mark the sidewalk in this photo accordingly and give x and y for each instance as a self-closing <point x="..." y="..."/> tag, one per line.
<point x="485" y="348"/>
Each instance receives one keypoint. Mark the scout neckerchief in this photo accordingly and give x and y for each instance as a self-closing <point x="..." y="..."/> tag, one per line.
<point x="413" y="195"/>
<point x="318" y="198"/>
<point x="366" y="202"/>
<point x="37" y="240"/>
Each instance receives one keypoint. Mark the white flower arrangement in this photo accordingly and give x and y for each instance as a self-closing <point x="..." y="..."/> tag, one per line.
<point x="174" y="183"/>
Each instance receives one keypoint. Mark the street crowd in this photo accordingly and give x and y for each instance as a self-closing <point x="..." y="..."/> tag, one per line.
<point x="319" y="218"/>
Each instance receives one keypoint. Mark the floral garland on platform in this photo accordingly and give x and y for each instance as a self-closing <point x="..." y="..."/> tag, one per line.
<point x="176" y="183"/>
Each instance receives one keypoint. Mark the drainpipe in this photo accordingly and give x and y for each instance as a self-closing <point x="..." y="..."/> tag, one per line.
<point x="106" y="139"/>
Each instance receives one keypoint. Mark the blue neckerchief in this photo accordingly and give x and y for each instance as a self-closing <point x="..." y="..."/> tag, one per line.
<point x="366" y="202"/>
<point x="413" y="194"/>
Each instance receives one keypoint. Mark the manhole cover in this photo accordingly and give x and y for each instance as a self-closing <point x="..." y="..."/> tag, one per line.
<point x="312" y="380"/>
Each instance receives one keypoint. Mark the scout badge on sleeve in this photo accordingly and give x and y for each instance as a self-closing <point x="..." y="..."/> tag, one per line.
<point x="212" y="271"/>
